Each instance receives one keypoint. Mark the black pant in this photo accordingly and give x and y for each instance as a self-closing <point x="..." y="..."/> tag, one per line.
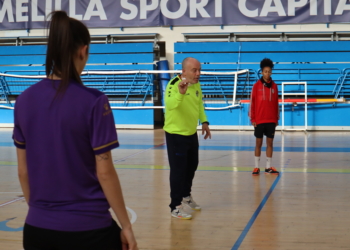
<point x="108" y="238"/>
<point x="183" y="161"/>
<point x="267" y="129"/>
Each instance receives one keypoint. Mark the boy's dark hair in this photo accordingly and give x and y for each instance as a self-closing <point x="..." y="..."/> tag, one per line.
<point x="66" y="35"/>
<point x="266" y="62"/>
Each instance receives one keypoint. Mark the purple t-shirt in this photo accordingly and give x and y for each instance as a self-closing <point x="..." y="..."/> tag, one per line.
<point x="61" y="138"/>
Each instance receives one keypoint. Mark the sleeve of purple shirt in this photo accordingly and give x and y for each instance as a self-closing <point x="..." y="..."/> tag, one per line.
<point x="18" y="137"/>
<point x="103" y="134"/>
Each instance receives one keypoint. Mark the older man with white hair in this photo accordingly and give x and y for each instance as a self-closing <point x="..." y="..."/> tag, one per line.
<point x="183" y="108"/>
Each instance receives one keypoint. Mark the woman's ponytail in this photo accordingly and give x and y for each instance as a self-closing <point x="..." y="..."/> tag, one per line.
<point x="66" y="35"/>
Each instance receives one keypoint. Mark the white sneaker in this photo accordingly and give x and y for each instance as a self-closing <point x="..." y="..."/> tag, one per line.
<point x="179" y="213"/>
<point x="188" y="201"/>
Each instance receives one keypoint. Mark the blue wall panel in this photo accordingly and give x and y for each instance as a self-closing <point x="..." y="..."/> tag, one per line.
<point x="134" y="117"/>
<point x="121" y="117"/>
<point x="6" y="115"/>
<point x="223" y="117"/>
<point x="318" y="115"/>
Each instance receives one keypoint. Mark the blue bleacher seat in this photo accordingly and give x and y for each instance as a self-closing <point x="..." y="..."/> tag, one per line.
<point x="30" y="60"/>
<point x="319" y="63"/>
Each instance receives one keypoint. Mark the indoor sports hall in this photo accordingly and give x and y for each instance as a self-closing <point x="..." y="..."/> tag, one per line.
<point x="137" y="47"/>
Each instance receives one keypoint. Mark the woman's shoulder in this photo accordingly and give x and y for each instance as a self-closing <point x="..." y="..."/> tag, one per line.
<point x="88" y="92"/>
<point x="33" y="89"/>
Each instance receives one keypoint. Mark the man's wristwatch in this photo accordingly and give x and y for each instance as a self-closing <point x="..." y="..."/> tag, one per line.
<point x="206" y="123"/>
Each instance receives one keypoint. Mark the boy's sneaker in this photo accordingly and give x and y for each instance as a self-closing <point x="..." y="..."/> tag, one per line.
<point x="188" y="201"/>
<point x="271" y="170"/>
<point x="256" y="171"/>
<point x="179" y="213"/>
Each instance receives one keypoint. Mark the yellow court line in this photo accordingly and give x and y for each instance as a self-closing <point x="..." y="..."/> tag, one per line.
<point x="8" y="163"/>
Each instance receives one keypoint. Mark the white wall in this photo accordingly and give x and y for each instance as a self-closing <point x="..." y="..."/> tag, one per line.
<point x="175" y="35"/>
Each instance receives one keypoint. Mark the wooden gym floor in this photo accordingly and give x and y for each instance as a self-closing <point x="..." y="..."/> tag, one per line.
<point x="305" y="207"/>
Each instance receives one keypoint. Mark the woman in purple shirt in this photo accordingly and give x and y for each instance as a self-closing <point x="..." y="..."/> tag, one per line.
<point x="64" y="133"/>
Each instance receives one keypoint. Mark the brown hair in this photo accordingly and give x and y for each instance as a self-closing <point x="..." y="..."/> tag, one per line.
<point x="66" y="35"/>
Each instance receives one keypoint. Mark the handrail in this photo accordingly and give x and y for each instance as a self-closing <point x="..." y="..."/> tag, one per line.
<point x="342" y="84"/>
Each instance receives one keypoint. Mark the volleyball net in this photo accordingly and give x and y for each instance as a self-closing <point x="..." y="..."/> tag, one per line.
<point x="141" y="89"/>
<point x="144" y="89"/>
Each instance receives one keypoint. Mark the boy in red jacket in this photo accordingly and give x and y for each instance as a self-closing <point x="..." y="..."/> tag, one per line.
<point x="264" y="114"/>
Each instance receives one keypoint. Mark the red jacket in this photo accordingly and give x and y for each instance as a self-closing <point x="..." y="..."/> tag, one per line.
<point x="264" y="106"/>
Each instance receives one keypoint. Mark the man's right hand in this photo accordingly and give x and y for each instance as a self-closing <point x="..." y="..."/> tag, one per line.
<point x="183" y="85"/>
<point x="254" y="124"/>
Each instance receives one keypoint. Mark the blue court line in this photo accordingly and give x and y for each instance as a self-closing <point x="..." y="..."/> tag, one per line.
<point x="231" y="148"/>
<point x="5" y="228"/>
<point x="255" y="215"/>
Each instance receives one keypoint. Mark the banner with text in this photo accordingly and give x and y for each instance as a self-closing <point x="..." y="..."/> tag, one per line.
<point x="30" y="14"/>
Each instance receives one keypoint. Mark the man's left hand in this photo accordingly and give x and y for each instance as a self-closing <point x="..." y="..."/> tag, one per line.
<point x="205" y="128"/>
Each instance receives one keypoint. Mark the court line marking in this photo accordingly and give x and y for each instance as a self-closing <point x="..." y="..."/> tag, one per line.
<point x="5" y="228"/>
<point x="133" y="215"/>
<point x="11" y="192"/>
<point x="255" y="215"/>
<point x="9" y="202"/>
<point x="234" y="148"/>
<point x="238" y="169"/>
<point x="8" y="163"/>
<point x="228" y="169"/>
<point x="129" y="156"/>
<point x="132" y="212"/>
